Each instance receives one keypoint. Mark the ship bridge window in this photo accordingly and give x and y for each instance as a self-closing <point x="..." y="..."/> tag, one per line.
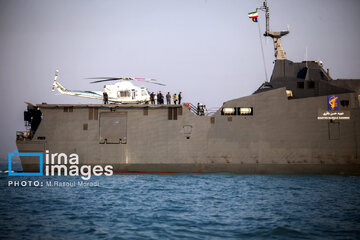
<point x="322" y="75"/>
<point x="245" y="111"/>
<point x="123" y="94"/>
<point x="302" y="73"/>
<point x="310" y="84"/>
<point x="237" y="111"/>
<point x="344" y="103"/>
<point x="228" y="111"/>
<point x="300" y="85"/>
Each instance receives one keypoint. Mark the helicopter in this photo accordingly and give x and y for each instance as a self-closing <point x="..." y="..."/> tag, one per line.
<point x="121" y="92"/>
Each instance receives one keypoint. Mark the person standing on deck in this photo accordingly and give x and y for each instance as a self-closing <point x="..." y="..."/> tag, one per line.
<point x="161" y="98"/>
<point x="168" y="98"/>
<point x="175" y="98"/>
<point x="106" y="98"/>
<point x="152" y="98"/>
<point x="180" y="97"/>
<point x="158" y="98"/>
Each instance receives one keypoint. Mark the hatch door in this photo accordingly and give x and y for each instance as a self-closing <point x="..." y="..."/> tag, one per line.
<point x="113" y="127"/>
<point x="334" y="130"/>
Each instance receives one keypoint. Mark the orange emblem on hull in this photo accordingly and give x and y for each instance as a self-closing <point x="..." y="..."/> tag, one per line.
<point x="333" y="102"/>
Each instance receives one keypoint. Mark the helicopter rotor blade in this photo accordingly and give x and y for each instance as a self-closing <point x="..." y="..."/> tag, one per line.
<point x="149" y="80"/>
<point x="161" y="84"/>
<point x="101" y="78"/>
<point x="107" y="79"/>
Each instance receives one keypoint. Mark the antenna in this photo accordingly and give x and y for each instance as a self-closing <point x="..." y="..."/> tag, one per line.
<point x="267" y="16"/>
<point x="262" y="52"/>
<point x="278" y="48"/>
<point x="265" y="8"/>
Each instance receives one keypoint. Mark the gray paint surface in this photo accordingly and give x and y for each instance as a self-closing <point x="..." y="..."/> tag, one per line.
<point x="282" y="136"/>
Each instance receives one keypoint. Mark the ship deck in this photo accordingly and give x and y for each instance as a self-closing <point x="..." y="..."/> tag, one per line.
<point x="108" y="105"/>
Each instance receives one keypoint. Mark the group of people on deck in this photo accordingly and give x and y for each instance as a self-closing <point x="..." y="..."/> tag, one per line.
<point x="159" y="97"/>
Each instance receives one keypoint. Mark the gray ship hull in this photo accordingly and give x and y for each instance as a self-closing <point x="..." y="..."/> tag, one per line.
<point x="281" y="136"/>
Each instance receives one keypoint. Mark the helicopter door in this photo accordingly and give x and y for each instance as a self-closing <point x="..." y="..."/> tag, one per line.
<point x="133" y="93"/>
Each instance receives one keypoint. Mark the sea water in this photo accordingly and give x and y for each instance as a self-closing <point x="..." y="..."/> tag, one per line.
<point x="182" y="206"/>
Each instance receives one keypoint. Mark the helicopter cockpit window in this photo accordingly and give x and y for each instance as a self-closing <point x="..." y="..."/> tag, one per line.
<point x="143" y="93"/>
<point x="123" y="94"/>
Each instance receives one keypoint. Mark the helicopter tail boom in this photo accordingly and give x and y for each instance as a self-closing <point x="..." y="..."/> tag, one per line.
<point x="57" y="85"/>
<point x="78" y="93"/>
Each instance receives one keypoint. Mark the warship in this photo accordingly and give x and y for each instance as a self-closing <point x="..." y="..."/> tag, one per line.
<point x="300" y="122"/>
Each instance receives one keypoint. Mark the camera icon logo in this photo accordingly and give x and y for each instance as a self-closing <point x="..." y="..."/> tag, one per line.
<point x="11" y="155"/>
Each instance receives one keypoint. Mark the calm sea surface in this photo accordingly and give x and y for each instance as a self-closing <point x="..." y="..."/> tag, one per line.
<point x="194" y="206"/>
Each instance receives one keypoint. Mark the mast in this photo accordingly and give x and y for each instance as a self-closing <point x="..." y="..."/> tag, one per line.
<point x="267" y="15"/>
<point x="280" y="53"/>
